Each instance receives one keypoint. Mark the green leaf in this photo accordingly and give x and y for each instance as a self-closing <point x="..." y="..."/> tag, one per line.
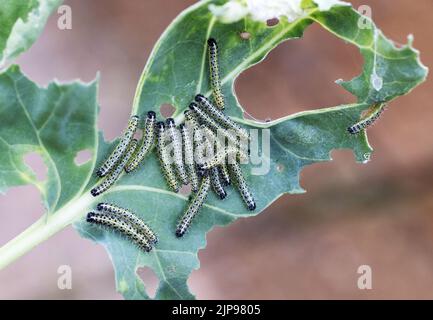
<point x="175" y="72"/>
<point x="21" y="22"/>
<point x="57" y="123"/>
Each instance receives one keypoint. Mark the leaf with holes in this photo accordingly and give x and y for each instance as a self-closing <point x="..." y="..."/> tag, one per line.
<point x="177" y="70"/>
<point x="21" y="22"/>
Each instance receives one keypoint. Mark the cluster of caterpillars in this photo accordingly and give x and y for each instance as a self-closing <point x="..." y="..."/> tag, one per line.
<point x="194" y="152"/>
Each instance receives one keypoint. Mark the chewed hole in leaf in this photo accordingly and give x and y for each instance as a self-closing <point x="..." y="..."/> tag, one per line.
<point x="299" y="75"/>
<point x="35" y="161"/>
<point x="138" y="134"/>
<point x="272" y="22"/>
<point x="83" y="157"/>
<point x="185" y="190"/>
<point x="280" y="167"/>
<point x="167" y="110"/>
<point x="150" y="280"/>
<point x="245" y="35"/>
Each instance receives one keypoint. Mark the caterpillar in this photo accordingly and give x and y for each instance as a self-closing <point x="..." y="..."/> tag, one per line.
<point x="190" y="120"/>
<point x="130" y="217"/>
<point x="114" y="175"/>
<point x="215" y="74"/>
<point x="222" y="167"/>
<point x="212" y="124"/>
<point x="217" y="160"/>
<point x="146" y="144"/>
<point x="176" y="140"/>
<point x="375" y="113"/>
<point x="193" y="207"/>
<point x="188" y="150"/>
<point x="242" y="185"/>
<point x="216" y="183"/>
<point x="219" y="116"/>
<point x="164" y="158"/>
<point x="120" y="149"/>
<point x="224" y="174"/>
<point x="122" y="226"/>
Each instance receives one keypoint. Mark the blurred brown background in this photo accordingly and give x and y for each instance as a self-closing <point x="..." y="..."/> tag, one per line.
<point x="305" y="246"/>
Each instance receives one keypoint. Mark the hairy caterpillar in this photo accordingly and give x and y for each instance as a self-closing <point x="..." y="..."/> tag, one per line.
<point x="242" y="185"/>
<point x="224" y="174"/>
<point x="114" y="174"/>
<point x="372" y="116"/>
<point x="130" y="217"/>
<point x="194" y="207"/>
<point x="122" y="226"/>
<point x="120" y="149"/>
<point x="204" y="167"/>
<point x="176" y="140"/>
<point x="191" y="120"/>
<point x="219" y="116"/>
<point x="164" y="158"/>
<point x="215" y="74"/>
<point x="146" y="144"/>
<point x="217" y="160"/>
<point x="188" y="150"/>
<point x="217" y="185"/>
<point x="212" y="124"/>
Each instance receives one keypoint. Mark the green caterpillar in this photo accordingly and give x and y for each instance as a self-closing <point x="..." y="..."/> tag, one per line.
<point x="219" y="116"/>
<point x="176" y="141"/>
<point x="370" y="119"/>
<point x="122" y="226"/>
<point x="211" y="123"/>
<point x="130" y="217"/>
<point x="120" y="149"/>
<point x="188" y="151"/>
<point x="164" y="158"/>
<point x="114" y="174"/>
<point x="147" y="143"/>
<point x="224" y="174"/>
<point x="242" y="185"/>
<point x="216" y="183"/>
<point x="194" y="207"/>
<point x="215" y="74"/>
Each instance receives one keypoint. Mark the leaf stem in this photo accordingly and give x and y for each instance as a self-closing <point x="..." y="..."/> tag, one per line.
<point x="43" y="229"/>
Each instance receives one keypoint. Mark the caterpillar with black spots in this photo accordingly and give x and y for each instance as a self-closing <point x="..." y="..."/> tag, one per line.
<point x="121" y="226"/>
<point x="176" y="140"/>
<point x="207" y="106"/>
<point x="129" y="216"/>
<point x="242" y="185"/>
<point x="209" y="122"/>
<point x="164" y="158"/>
<point x="112" y="177"/>
<point x="120" y="149"/>
<point x="188" y="151"/>
<point x="194" y="207"/>
<point x="147" y="142"/>
<point x="215" y="74"/>
<point x="375" y="113"/>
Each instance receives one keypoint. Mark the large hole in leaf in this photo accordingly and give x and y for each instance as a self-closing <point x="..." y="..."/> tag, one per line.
<point x="272" y="22"/>
<point x="167" y="110"/>
<point x="185" y="190"/>
<point x="82" y="157"/>
<point x="149" y="279"/>
<point x="300" y="75"/>
<point x="35" y="161"/>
